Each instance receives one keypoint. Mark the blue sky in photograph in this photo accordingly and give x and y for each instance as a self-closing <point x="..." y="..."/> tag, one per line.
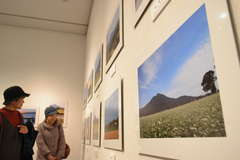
<point x="177" y="67"/>
<point x="28" y="113"/>
<point x="111" y="107"/>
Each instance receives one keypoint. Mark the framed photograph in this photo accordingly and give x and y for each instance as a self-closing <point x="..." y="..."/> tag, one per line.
<point x="180" y="97"/>
<point x="140" y="6"/>
<point x="83" y="130"/>
<point x="88" y="129"/>
<point x="96" y="133"/>
<point x="114" y="39"/>
<point x="62" y="112"/>
<point x="85" y="96"/>
<point x="30" y="115"/>
<point x="90" y="87"/>
<point x="98" y="69"/>
<point x="113" y="130"/>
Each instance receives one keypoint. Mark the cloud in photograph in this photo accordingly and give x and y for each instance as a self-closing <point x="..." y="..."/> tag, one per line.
<point x="189" y="77"/>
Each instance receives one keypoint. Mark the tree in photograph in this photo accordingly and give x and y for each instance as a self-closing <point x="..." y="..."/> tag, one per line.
<point x="208" y="82"/>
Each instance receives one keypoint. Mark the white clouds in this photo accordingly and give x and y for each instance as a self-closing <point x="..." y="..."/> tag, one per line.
<point x="189" y="77"/>
<point x="150" y="69"/>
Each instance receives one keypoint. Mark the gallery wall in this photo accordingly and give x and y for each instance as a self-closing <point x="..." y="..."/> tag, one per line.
<point x="139" y="44"/>
<point x="235" y="8"/>
<point x="49" y="65"/>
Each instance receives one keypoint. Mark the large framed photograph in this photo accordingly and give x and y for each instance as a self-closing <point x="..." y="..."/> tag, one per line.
<point x="98" y="69"/>
<point x="180" y="96"/>
<point x="139" y="7"/>
<point x="90" y="87"/>
<point x="30" y="115"/>
<point x="96" y="120"/>
<point x="113" y="127"/>
<point x="114" y="39"/>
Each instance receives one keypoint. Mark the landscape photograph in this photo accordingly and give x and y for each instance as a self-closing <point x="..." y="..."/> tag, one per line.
<point x="29" y="115"/>
<point x="60" y="114"/>
<point x="97" y="122"/>
<point x="88" y="126"/>
<point x="90" y="87"/>
<point x="85" y="94"/>
<point x="98" y="70"/>
<point x="112" y="117"/>
<point x="113" y="36"/>
<point x="178" y="86"/>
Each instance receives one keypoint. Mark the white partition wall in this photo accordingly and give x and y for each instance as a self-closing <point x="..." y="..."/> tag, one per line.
<point x="49" y="65"/>
<point x="140" y="42"/>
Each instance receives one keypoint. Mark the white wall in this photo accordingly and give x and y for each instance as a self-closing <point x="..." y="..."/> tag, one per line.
<point x="139" y="43"/>
<point x="235" y="8"/>
<point x="49" y="65"/>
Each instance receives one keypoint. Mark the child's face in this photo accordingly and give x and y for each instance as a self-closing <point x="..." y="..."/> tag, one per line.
<point x="52" y="118"/>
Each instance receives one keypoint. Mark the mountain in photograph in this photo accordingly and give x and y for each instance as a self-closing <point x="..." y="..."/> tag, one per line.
<point x="160" y="102"/>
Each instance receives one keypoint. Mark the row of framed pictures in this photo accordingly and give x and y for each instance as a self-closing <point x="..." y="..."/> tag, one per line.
<point x="178" y="94"/>
<point x="114" y="45"/>
<point x="111" y="110"/>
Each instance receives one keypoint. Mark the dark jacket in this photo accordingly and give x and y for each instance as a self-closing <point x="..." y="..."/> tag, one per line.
<point x="10" y="140"/>
<point x="28" y="142"/>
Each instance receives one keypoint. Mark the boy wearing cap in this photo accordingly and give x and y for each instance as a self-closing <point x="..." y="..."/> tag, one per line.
<point x="11" y="128"/>
<point x="50" y="140"/>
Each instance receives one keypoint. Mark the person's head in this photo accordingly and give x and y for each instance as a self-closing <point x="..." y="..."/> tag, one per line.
<point x="51" y="114"/>
<point x="14" y="97"/>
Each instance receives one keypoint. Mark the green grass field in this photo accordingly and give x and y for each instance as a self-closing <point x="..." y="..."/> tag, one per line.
<point x="201" y="118"/>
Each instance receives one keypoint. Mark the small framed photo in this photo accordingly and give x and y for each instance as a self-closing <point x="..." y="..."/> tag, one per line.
<point x="113" y="126"/>
<point x="62" y="113"/>
<point x="84" y="96"/>
<point x="98" y="69"/>
<point x="90" y="87"/>
<point x="88" y="128"/>
<point x="96" y="123"/>
<point x="30" y="114"/>
<point x="139" y="7"/>
<point x="114" y="39"/>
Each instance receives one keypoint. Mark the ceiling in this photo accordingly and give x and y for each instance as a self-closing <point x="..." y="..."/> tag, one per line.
<point x="71" y="16"/>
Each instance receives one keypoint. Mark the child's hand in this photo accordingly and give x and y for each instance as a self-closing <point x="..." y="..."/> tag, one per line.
<point x="22" y="129"/>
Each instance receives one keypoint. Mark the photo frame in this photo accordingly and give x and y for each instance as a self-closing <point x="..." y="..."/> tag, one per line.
<point x="98" y="69"/>
<point x="115" y="37"/>
<point x="83" y="130"/>
<point x="30" y="114"/>
<point x="217" y="17"/>
<point x="62" y="113"/>
<point x="139" y="8"/>
<point x="88" y="128"/>
<point x="113" y="117"/>
<point x="90" y="87"/>
<point x="85" y="96"/>
<point x="96" y="123"/>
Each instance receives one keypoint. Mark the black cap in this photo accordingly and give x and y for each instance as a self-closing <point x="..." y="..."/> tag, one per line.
<point x="13" y="93"/>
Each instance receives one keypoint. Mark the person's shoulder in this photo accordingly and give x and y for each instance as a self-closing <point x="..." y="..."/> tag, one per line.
<point x="40" y="126"/>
